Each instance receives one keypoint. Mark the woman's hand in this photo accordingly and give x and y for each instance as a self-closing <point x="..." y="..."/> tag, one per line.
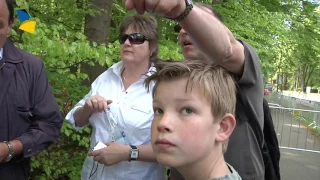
<point x="112" y="154"/>
<point x="93" y="104"/>
<point x="96" y="104"/>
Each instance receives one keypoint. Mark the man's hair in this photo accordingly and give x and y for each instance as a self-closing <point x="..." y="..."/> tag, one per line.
<point x="148" y="26"/>
<point x="10" y="4"/>
<point x="215" y="14"/>
<point x="215" y="83"/>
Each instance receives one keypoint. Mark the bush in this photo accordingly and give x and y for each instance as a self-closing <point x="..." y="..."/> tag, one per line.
<point x="64" y="159"/>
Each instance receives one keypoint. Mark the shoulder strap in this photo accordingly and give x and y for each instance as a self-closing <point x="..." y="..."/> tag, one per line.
<point x="252" y="121"/>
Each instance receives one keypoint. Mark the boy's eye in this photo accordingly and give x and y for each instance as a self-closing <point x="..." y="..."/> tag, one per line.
<point x="187" y="111"/>
<point x="157" y="111"/>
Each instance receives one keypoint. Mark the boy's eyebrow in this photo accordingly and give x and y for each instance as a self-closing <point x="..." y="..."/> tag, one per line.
<point x="156" y="101"/>
<point x="175" y="99"/>
<point x="183" y="99"/>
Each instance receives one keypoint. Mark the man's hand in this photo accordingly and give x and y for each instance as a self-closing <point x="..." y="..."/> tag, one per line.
<point x="112" y="154"/>
<point x="4" y="151"/>
<point x="166" y="8"/>
<point x="96" y="104"/>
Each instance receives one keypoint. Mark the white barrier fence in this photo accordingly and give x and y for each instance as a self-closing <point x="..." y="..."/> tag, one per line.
<point x="297" y="129"/>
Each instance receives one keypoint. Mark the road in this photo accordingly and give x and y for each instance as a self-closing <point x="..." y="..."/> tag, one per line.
<point x="298" y="165"/>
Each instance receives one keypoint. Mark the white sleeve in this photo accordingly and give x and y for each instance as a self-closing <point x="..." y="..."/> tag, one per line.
<point x="70" y="117"/>
<point x="81" y="103"/>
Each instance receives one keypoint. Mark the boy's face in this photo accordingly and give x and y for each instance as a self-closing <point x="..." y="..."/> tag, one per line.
<point x="183" y="131"/>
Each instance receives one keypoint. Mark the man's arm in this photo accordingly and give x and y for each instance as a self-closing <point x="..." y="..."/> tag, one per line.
<point x="46" y="119"/>
<point x="214" y="39"/>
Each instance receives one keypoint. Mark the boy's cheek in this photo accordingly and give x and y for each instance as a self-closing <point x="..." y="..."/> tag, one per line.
<point x="154" y="130"/>
<point x="154" y="125"/>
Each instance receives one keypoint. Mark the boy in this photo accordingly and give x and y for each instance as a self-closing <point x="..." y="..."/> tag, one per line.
<point x="193" y="107"/>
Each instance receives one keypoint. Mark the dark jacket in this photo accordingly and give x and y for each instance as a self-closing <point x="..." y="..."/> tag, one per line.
<point x="28" y="110"/>
<point x="271" y="140"/>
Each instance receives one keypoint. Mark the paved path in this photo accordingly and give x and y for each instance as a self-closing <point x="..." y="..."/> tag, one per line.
<point x="298" y="165"/>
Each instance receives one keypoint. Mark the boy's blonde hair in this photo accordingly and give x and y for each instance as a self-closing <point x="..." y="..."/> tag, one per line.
<point x="215" y="83"/>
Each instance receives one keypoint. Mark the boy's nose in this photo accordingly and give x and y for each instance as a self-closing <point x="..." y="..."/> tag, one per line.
<point x="165" y="124"/>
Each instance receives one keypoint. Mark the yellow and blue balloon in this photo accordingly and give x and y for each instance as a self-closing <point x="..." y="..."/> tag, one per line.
<point x="26" y="24"/>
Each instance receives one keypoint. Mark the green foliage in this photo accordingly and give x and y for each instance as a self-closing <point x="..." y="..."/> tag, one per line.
<point x="285" y="33"/>
<point x="170" y="46"/>
<point x="60" y="42"/>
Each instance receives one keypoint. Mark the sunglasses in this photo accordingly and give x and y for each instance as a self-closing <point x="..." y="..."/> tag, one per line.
<point x="134" y="38"/>
<point x="177" y="28"/>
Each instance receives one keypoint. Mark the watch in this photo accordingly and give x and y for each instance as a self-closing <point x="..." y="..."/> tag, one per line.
<point x="185" y="13"/>
<point x="11" y="152"/>
<point x="134" y="153"/>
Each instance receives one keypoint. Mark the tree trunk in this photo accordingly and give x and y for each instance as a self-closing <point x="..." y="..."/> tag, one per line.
<point x="307" y="72"/>
<point x="282" y="83"/>
<point x="297" y="81"/>
<point x="97" y="30"/>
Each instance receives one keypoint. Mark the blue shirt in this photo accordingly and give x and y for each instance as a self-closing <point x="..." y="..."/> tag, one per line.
<point x="1" y="53"/>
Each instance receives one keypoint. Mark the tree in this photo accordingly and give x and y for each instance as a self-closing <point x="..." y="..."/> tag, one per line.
<point x="78" y="39"/>
<point x="97" y="30"/>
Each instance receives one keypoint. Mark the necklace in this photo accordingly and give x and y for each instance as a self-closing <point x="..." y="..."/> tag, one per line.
<point x="124" y="78"/>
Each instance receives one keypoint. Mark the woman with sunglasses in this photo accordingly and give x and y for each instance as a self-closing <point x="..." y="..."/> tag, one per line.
<point x="119" y="108"/>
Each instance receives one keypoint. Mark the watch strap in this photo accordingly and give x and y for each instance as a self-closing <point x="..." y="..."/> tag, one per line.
<point x="11" y="152"/>
<point x="185" y="13"/>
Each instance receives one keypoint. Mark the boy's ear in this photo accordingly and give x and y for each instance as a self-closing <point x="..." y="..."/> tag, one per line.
<point x="227" y="126"/>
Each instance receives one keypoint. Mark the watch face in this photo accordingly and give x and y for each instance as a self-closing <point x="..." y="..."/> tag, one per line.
<point x="134" y="153"/>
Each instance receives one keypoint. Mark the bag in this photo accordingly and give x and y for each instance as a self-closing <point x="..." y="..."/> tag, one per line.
<point x="267" y="139"/>
<point x="271" y="140"/>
